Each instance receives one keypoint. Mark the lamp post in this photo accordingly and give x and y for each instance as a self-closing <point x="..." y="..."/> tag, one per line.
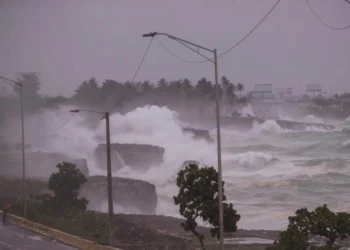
<point x="109" y="171"/>
<point x="24" y="200"/>
<point x="215" y="62"/>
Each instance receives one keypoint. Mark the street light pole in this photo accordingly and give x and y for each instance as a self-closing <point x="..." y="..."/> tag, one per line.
<point x="24" y="199"/>
<point x="109" y="172"/>
<point x="221" y="212"/>
<point x="23" y="159"/>
<point x="109" y="179"/>
<point x="215" y="62"/>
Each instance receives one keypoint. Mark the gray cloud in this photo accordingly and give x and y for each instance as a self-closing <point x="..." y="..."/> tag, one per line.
<point x="70" y="41"/>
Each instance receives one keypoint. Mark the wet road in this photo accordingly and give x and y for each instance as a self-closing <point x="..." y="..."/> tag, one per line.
<point x="17" y="238"/>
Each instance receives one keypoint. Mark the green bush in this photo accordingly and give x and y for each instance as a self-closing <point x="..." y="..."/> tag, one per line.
<point x="198" y="198"/>
<point x="320" y="222"/>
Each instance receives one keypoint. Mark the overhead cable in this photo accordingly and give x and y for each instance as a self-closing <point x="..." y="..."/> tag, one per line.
<point x="323" y="22"/>
<point x="235" y="45"/>
<point x="136" y="72"/>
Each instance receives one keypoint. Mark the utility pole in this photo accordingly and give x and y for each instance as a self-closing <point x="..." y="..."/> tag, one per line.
<point x="215" y="62"/>
<point x="221" y="212"/>
<point x="109" y="180"/>
<point x="109" y="172"/>
<point x="23" y="159"/>
<point x="24" y="199"/>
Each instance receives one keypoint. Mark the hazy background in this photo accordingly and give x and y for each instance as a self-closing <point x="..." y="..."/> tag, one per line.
<point x="70" y="41"/>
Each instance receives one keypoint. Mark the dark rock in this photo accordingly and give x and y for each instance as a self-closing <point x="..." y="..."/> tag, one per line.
<point x="136" y="156"/>
<point x="131" y="195"/>
<point x="199" y="134"/>
<point x="247" y="123"/>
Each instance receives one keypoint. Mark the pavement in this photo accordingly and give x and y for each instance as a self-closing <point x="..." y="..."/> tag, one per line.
<point x="16" y="238"/>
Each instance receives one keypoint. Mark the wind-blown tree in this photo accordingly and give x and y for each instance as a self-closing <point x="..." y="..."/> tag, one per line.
<point x="112" y="94"/>
<point x="187" y="88"/>
<point x="177" y="94"/>
<point x="160" y="91"/>
<point x="305" y="224"/>
<point x="240" y="88"/>
<point x="227" y="95"/>
<point x="203" y="92"/>
<point x="146" y="87"/>
<point x="66" y="184"/>
<point x="162" y="85"/>
<point x="88" y="92"/>
<point x="198" y="198"/>
<point x="31" y="84"/>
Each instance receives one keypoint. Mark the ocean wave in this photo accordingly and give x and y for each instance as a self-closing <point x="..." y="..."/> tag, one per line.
<point x="332" y="163"/>
<point x="252" y="159"/>
<point x="268" y="127"/>
<point x="254" y="148"/>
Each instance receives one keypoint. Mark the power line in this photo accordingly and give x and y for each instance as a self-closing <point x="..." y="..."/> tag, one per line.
<point x="62" y="125"/>
<point x="136" y="72"/>
<point x="10" y="84"/>
<point x="5" y="80"/>
<point x="323" y="22"/>
<point x="143" y="58"/>
<point x="171" y="53"/>
<point x="254" y="28"/>
<point x="235" y="45"/>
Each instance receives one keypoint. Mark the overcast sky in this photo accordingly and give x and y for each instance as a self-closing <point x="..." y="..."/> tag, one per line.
<point x="69" y="41"/>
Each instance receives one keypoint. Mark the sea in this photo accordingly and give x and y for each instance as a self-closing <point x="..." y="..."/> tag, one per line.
<point x="269" y="172"/>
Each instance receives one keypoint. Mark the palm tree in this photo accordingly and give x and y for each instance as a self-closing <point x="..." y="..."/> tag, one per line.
<point x="186" y="87"/>
<point x="224" y="82"/>
<point x="240" y="88"/>
<point x="162" y="85"/>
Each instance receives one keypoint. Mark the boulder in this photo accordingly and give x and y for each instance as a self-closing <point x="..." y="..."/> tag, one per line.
<point x="39" y="165"/>
<point x="199" y="134"/>
<point x="136" y="156"/>
<point x="129" y="195"/>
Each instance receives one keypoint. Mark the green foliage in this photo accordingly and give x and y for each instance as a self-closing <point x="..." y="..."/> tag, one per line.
<point x="66" y="184"/>
<point x="305" y="224"/>
<point x="87" y="224"/>
<point x="161" y="93"/>
<point x="198" y="197"/>
<point x="93" y="223"/>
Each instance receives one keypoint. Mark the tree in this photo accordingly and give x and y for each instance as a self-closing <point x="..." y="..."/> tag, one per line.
<point x="305" y="224"/>
<point x="31" y="84"/>
<point x="186" y="88"/>
<point x="88" y="92"/>
<point x="240" y="88"/>
<point x="66" y="184"/>
<point x="198" y="198"/>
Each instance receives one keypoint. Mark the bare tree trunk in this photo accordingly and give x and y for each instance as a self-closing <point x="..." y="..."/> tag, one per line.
<point x="200" y="238"/>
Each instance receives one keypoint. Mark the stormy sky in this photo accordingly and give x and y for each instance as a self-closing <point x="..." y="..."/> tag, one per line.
<point x="69" y="41"/>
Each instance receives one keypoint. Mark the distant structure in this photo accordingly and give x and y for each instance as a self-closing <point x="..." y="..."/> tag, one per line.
<point x="262" y="91"/>
<point x="314" y="88"/>
<point x="284" y="94"/>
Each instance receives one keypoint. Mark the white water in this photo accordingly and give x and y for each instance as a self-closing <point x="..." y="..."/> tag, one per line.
<point x="265" y="187"/>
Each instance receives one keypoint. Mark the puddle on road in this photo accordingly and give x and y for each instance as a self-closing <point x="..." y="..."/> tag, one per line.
<point x="35" y="237"/>
<point x="248" y="240"/>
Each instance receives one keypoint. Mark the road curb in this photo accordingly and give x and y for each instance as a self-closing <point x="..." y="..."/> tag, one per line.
<point x="63" y="237"/>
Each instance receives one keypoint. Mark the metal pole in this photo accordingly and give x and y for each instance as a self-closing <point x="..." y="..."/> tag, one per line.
<point x="23" y="159"/>
<point x="221" y="212"/>
<point x="109" y="182"/>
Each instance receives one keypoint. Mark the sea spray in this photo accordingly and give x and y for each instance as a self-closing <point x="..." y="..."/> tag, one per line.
<point x="265" y="186"/>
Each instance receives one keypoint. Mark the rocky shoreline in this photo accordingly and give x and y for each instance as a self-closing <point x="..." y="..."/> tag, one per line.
<point x="133" y="228"/>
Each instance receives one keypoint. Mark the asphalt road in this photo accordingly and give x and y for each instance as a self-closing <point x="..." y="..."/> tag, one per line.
<point x="17" y="238"/>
